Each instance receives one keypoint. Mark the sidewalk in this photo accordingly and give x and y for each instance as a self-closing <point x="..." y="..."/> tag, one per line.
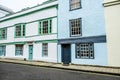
<point x="85" y="68"/>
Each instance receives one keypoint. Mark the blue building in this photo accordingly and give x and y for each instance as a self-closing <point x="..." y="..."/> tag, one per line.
<point x="81" y="32"/>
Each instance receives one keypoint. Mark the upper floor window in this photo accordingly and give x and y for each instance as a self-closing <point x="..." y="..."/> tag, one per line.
<point x="3" y="33"/>
<point x="75" y="27"/>
<point x="20" y="30"/>
<point x="45" y="26"/>
<point x="85" y="50"/>
<point x="75" y="4"/>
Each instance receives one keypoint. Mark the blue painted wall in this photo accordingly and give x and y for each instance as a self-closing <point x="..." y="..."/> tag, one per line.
<point x="99" y="54"/>
<point x="92" y="14"/>
<point x="93" y="24"/>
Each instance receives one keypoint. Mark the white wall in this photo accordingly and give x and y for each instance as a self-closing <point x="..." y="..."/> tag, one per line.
<point x="52" y="52"/>
<point x="112" y="16"/>
<point x="32" y="17"/>
<point x="54" y="25"/>
<point x="59" y="54"/>
<point x="32" y="34"/>
<point x="10" y="50"/>
<point x="32" y="29"/>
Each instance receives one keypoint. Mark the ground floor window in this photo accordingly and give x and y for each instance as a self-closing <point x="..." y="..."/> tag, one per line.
<point x="45" y="49"/>
<point x="85" y="50"/>
<point x="2" y="50"/>
<point x="19" y="50"/>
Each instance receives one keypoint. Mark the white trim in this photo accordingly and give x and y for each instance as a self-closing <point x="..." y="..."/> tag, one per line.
<point x="30" y="10"/>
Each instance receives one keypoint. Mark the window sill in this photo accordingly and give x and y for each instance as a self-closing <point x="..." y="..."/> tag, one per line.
<point x="45" y="56"/>
<point x="47" y="34"/>
<point x="80" y="35"/>
<point x="84" y="58"/>
<point x="75" y="9"/>
<point x="4" y="39"/>
<point x="18" y="55"/>
<point x="19" y="37"/>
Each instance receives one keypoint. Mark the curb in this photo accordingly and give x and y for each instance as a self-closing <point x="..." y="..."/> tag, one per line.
<point x="49" y="66"/>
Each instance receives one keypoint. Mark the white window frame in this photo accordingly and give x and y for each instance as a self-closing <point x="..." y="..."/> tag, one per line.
<point x="75" y="4"/>
<point x="44" y="49"/>
<point x="75" y="27"/>
<point x="18" y="50"/>
<point x="85" y="50"/>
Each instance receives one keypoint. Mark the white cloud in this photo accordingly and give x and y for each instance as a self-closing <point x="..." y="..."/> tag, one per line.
<point x="17" y="5"/>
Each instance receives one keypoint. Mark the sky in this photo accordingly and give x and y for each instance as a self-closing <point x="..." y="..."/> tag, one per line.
<point x="17" y="5"/>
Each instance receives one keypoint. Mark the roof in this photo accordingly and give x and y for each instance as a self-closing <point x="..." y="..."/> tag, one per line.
<point x="29" y="10"/>
<point x="46" y="2"/>
<point x="6" y="9"/>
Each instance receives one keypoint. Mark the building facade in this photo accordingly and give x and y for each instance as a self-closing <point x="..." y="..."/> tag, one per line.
<point x="73" y="32"/>
<point x="30" y="34"/>
<point x="112" y="19"/>
<point x="81" y="32"/>
<point x="5" y="11"/>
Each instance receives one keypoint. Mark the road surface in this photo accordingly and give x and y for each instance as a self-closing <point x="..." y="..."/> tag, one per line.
<point x="9" y="71"/>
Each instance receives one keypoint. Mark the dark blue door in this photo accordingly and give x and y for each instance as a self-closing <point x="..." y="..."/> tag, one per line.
<point x="66" y="53"/>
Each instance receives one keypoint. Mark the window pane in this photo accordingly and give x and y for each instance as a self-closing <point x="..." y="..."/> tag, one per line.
<point x="18" y="30"/>
<point x="74" y="4"/>
<point x="45" y="27"/>
<point x="19" y="49"/>
<point x="23" y="30"/>
<point x="3" y="33"/>
<point x="75" y="27"/>
<point x="50" y="26"/>
<point x="40" y="28"/>
<point x="84" y="50"/>
<point x="2" y="50"/>
<point x="45" y="49"/>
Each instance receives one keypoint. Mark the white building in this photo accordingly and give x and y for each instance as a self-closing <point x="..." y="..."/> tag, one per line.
<point x="30" y="34"/>
<point x="5" y="11"/>
<point x="112" y="16"/>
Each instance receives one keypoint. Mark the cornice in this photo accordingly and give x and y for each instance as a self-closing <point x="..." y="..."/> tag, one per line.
<point x="111" y="3"/>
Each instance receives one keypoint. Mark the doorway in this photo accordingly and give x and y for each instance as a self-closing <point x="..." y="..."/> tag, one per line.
<point x="66" y="53"/>
<point x="30" y="52"/>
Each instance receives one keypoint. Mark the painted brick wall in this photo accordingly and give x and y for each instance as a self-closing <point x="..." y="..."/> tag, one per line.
<point x="92" y="14"/>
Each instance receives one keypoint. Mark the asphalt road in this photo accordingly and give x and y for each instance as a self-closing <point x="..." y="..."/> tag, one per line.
<point x="9" y="71"/>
